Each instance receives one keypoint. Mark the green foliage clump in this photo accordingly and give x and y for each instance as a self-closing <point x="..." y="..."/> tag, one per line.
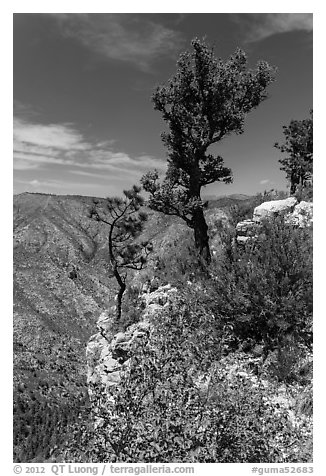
<point x="304" y="193"/>
<point x="266" y="288"/>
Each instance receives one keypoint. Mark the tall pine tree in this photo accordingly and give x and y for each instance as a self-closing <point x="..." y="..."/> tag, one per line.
<point x="205" y="101"/>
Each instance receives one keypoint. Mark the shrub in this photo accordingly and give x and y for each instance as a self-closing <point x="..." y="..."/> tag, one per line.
<point x="304" y="193"/>
<point x="265" y="289"/>
<point x="180" y="263"/>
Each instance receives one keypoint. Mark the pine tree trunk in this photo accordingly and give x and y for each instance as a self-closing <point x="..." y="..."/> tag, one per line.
<point x="119" y="301"/>
<point x="201" y="235"/>
<point x="198" y="219"/>
<point x="122" y="288"/>
<point x="295" y="180"/>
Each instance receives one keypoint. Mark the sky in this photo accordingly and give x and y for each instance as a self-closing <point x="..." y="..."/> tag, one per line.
<point x="84" y="122"/>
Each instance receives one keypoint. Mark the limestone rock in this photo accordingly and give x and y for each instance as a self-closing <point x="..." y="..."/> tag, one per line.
<point x="105" y="321"/>
<point x="245" y="230"/>
<point x="245" y="227"/>
<point x="274" y="208"/>
<point x="294" y="213"/>
<point x="108" y="354"/>
<point x="242" y="240"/>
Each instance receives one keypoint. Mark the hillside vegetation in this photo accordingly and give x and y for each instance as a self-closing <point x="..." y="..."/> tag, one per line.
<point x="250" y="310"/>
<point x="62" y="283"/>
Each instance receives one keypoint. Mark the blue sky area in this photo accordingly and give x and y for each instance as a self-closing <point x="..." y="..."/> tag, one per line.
<point x="84" y="122"/>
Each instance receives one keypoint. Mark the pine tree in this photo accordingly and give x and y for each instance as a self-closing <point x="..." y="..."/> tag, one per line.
<point x="125" y="223"/>
<point x="205" y="101"/>
<point x="298" y="147"/>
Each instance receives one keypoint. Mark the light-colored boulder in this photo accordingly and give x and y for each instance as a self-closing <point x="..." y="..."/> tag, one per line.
<point x="245" y="230"/>
<point x="294" y="213"/>
<point x="242" y="240"/>
<point x="274" y="208"/>
<point x="245" y="227"/>
<point x="105" y="321"/>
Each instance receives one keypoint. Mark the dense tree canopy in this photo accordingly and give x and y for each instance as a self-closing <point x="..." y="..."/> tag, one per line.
<point x="205" y="101"/>
<point x="298" y="148"/>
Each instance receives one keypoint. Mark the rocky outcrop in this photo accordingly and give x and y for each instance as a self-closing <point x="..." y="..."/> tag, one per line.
<point x="297" y="214"/>
<point x="107" y="352"/>
<point x="274" y="208"/>
<point x="244" y="230"/>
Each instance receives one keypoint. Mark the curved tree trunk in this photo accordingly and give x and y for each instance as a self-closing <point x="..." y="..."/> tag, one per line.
<point x="122" y="288"/>
<point x="201" y="235"/>
<point x="119" y="302"/>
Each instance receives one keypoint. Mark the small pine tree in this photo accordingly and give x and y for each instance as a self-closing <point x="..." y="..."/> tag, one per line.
<point x="298" y="147"/>
<point x="125" y="222"/>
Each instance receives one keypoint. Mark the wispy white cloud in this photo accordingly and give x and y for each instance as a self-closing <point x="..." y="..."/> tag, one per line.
<point x="60" y="136"/>
<point x="36" y="145"/>
<point x="263" y="182"/>
<point x="131" y="38"/>
<point x="63" y="146"/>
<point x="258" y="26"/>
<point x="23" y="165"/>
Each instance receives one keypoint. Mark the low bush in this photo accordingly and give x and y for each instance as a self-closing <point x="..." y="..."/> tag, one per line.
<point x="304" y="193"/>
<point x="264" y="290"/>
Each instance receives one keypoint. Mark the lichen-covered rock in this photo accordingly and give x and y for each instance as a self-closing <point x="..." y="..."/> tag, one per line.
<point x="274" y="208"/>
